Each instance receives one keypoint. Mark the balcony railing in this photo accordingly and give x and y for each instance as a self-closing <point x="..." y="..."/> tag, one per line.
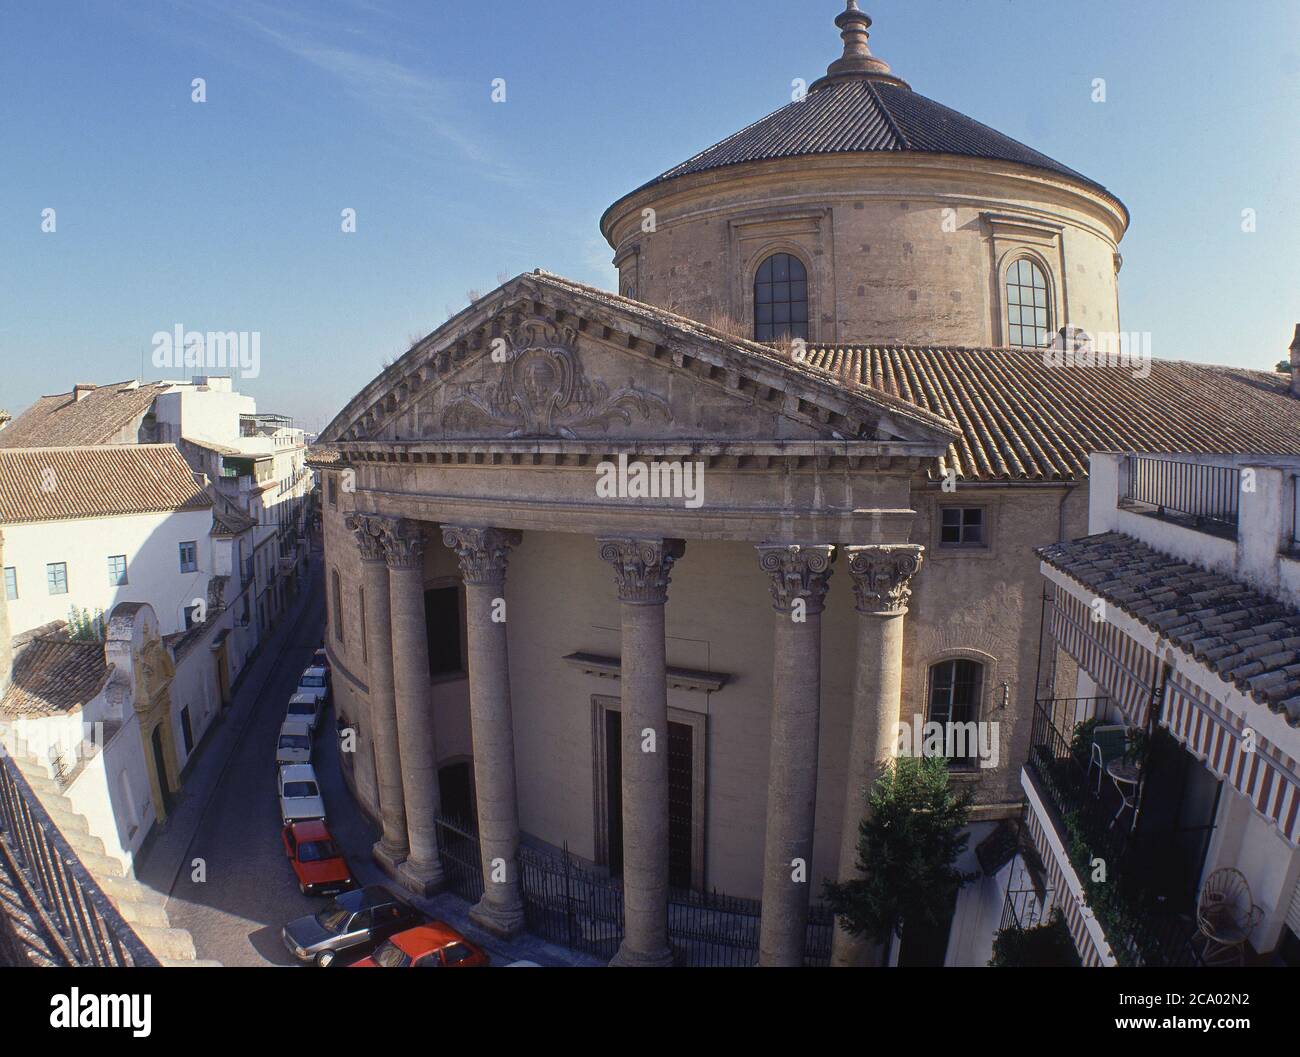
<point x="88" y="928"/>
<point x="1141" y="926"/>
<point x="1203" y="497"/>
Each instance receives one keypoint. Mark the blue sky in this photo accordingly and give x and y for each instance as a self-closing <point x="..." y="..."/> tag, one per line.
<point x="225" y="215"/>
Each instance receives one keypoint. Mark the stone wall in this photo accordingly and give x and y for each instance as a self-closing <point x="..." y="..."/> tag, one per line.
<point x="898" y="250"/>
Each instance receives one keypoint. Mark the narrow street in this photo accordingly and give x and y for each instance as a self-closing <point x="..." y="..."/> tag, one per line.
<point x="247" y="890"/>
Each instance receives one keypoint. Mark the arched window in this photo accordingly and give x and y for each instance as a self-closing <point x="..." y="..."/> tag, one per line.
<point x="955" y="688"/>
<point x="1029" y="314"/>
<point x="781" y="299"/>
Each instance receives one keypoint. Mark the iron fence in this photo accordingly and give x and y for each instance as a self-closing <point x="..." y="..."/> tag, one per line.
<point x="571" y="905"/>
<point x="1207" y="497"/>
<point x="88" y="927"/>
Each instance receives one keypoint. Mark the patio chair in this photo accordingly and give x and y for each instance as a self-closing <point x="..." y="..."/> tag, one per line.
<point x="1225" y="916"/>
<point x="1108" y="743"/>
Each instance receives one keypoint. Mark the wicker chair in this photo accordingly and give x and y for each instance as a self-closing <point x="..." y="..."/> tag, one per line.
<point x="1108" y="743"/>
<point x="1225" y="916"/>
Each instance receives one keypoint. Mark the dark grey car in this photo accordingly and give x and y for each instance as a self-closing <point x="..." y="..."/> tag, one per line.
<point x="352" y="925"/>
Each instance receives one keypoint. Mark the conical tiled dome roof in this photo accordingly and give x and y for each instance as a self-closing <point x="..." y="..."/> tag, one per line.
<point x="862" y="106"/>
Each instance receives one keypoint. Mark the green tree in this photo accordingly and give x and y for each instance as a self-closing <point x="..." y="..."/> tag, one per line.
<point x="908" y="844"/>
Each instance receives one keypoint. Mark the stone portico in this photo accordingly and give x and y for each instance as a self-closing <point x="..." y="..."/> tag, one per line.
<point x="494" y="430"/>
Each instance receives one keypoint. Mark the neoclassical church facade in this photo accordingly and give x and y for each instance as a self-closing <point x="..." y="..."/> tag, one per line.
<point x="834" y="319"/>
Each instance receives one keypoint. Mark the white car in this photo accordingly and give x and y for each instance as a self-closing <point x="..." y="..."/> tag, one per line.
<point x="294" y="743"/>
<point x="315" y="681"/>
<point x="304" y="707"/>
<point x="300" y="799"/>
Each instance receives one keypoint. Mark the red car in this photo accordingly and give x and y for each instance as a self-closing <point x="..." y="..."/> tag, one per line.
<point x="433" y="946"/>
<point x="316" y="859"/>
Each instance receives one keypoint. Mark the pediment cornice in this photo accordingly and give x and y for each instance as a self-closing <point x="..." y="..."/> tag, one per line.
<point x="517" y="366"/>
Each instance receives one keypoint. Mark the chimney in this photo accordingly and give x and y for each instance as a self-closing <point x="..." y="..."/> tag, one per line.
<point x="1295" y="363"/>
<point x="80" y="390"/>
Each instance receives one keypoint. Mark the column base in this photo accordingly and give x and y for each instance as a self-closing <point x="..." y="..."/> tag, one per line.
<point x="502" y="922"/>
<point x="627" y="958"/>
<point x="421" y="878"/>
<point x="389" y="858"/>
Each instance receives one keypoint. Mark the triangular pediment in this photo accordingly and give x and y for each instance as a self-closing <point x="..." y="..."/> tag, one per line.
<point x="543" y="359"/>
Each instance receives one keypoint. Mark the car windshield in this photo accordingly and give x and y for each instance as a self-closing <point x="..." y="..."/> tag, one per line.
<point x="295" y="741"/>
<point x="302" y="708"/>
<point x="391" y="957"/>
<point x="295" y="790"/>
<point x="312" y="680"/>
<point x="332" y="918"/>
<point x="317" y="850"/>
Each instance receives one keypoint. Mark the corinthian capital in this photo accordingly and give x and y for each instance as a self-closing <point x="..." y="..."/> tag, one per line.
<point x="483" y="552"/>
<point x="404" y="544"/>
<point x="370" y="531"/>
<point x="641" y="566"/>
<point x="881" y="576"/>
<point x="797" y="571"/>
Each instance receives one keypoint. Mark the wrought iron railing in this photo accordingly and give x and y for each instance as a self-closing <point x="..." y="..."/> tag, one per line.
<point x="1203" y="496"/>
<point x="88" y="926"/>
<point x="1139" y="927"/>
<point x="570" y="905"/>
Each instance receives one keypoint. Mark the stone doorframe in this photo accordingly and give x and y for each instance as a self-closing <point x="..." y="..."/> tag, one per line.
<point x="698" y="722"/>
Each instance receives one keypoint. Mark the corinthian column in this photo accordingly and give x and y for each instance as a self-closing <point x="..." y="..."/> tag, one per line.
<point x="483" y="554"/>
<point x="641" y="569"/>
<point x="799" y="579"/>
<point x="881" y="575"/>
<point x="422" y="870"/>
<point x="381" y="720"/>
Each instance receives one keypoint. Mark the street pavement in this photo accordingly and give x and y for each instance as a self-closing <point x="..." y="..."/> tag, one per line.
<point x="220" y="855"/>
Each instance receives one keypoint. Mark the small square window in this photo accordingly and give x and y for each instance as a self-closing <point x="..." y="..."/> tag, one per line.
<point x="961" y="526"/>
<point x="189" y="557"/>
<point x="117" y="570"/>
<point x="56" y="576"/>
<point x="11" y="582"/>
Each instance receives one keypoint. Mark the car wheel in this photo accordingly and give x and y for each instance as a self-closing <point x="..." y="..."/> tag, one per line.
<point x="325" y="959"/>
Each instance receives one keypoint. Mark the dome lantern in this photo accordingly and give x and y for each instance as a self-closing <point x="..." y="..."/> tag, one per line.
<point x="857" y="60"/>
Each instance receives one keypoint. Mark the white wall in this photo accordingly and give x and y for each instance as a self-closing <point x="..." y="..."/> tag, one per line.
<point x="202" y="414"/>
<point x="151" y="543"/>
<point x="113" y="794"/>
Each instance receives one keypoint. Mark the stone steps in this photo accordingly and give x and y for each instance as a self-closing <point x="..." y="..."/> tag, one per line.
<point x="144" y="909"/>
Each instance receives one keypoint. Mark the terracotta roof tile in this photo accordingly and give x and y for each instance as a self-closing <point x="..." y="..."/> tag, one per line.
<point x="52" y="484"/>
<point x="863" y="117"/>
<point x="1021" y="419"/>
<point x="52" y="676"/>
<point x="1245" y="637"/>
<point x="64" y="421"/>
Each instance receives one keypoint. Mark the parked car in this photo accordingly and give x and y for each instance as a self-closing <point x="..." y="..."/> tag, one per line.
<point x="300" y="798"/>
<point x="315" y="681"/>
<point x="433" y="946"/>
<point x="321" y="659"/>
<point x="351" y="926"/>
<point x="316" y="859"/>
<point x="306" y="707"/>
<point x="294" y="742"/>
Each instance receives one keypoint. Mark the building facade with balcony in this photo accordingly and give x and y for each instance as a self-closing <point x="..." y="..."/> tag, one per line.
<point x="1165" y="745"/>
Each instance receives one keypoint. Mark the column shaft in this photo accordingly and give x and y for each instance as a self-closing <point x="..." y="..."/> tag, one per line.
<point x="880" y="582"/>
<point x="422" y="870"/>
<point x="371" y="533"/>
<point x="483" y="555"/>
<point x="799" y="577"/>
<point x="642" y="571"/>
<point x="392" y="847"/>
